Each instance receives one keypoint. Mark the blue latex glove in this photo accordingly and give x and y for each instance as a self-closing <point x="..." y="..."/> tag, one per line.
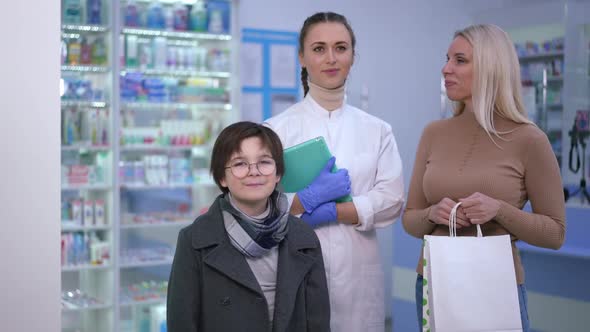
<point x="326" y="187"/>
<point x="323" y="214"/>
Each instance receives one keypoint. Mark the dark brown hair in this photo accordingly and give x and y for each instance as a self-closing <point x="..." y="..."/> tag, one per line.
<point x="321" y="17"/>
<point x="230" y="140"/>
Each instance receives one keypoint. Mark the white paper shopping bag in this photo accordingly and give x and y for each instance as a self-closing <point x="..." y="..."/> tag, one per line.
<point x="469" y="283"/>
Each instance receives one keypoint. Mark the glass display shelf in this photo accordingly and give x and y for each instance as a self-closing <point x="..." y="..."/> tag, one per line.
<point x="175" y="34"/>
<point x="85" y="69"/>
<point x="84" y="267"/>
<point x="87" y="308"/>
<point x="71" y="227"/>
<point x="162" y="148"/>
<point x="550" y="79"/>
<point x="177" y="73"/>
<point x="84" y="28"/>
<point x="146" y="263"/>
<point x="157" y="224"/>
<point x="541" y="56"/>
<point x="83" y="103"/>
<point x="552" y="107"/>
<point x="144" y="302"/>
<point x="86" y="148"/>
<point x="132" y="186"/>
<point x="85" y="187"/>
<point x="175" y="106"/>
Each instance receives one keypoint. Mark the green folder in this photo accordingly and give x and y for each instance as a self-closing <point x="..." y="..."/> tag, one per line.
<point x="304" y="162"/>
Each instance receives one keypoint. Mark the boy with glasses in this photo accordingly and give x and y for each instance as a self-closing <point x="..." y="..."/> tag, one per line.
<point x="247" y="265"/>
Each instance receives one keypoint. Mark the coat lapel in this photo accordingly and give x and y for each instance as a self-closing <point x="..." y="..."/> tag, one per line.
<point x="222" y="256"/>
<point x="228" y="260"/>
<point x="293" y="265"/>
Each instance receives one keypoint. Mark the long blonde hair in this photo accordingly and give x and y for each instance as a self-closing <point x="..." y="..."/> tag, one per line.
<point x="496" y="82"/>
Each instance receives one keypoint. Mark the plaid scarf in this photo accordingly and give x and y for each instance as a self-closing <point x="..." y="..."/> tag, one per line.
<point x="254" y="237"/>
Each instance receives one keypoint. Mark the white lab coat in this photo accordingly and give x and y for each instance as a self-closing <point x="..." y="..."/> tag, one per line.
<point x="364" y="145"/>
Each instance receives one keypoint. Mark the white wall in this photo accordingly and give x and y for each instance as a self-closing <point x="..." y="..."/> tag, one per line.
<point x="401" y="47"/>
<point x="29" y="171"/>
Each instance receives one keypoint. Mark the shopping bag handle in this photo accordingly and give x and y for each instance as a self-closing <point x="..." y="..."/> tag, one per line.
<point x="453" y="222"/>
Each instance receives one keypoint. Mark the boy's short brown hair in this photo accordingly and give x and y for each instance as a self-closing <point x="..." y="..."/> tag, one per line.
<point x="230" y="140"/>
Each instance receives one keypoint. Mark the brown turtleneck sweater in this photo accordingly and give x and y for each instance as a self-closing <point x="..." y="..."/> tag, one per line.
<point x="456" y="158"/>
<point x="329" y="99"/>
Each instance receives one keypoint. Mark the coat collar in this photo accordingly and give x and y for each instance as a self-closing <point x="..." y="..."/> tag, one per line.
<point x="212" y="232"/>
<point x="318" y="111"/>
<point x="293" y="263"/>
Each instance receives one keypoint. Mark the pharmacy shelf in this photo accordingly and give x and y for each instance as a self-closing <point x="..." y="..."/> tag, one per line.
<point x="177" y="73"/>
<point x="151" y="187"/>
<point x="144" y="302"/>
<point x="91" y="307"/>
<point x="157" y="224"/>
<point x="84" y="28"/>
<point x="86" y="69"/>
<point x="81" y="103"/>
<point x="175" y="34"/>
<point x="85" y="148"/>
<point x="79" y="228"/>
<point x="550" y="79"/>
<point x="84" y="267"/>
<point x="541" y="56"/>
<point x="159" y="148"/>
<point x="556" y="79"/>
<point x="556" y="106"/>
<point x="86" y="187"/>
<point x="147" y="263"/>
<point x="174" y="106"/>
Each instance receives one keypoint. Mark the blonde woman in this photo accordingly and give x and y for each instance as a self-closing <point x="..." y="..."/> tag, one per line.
<point x="488" y="156"/>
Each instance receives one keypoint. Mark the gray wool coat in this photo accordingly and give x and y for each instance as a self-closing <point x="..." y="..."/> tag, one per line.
<point x="213" y="289"/>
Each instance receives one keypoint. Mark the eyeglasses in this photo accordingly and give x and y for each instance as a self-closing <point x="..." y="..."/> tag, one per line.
<point x="240" y="168"/>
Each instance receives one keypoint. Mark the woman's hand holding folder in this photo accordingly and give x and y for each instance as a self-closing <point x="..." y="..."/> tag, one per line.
<point x="326" y="187"/>
<point x="323" y="214"/>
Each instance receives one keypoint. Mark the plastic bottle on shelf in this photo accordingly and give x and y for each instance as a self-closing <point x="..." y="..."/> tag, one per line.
<point x="201" y="58"/>
<point x="215" y="21"/>
<point x="122" y="50"/>
<point x="145" y="57"/>
<point x="74" y="52"/>
<point x="131" y="14"/>
<point x="181" y="58"/>
<point x="72" y="12"/>
<point x="198" y="17"/>
<point x="85" y="52"/>
<point x="99" y="52"/>
<point x="163" y="168"/>
<point x="131" y="51"/>
<point x="70" y="248"/>
<point x="171" y="58"/>
<point x="64" y="52"/>
<point x="94" y="11"/>
<point x="169" y="18"/>
<point x="191" y="58"/>
<point x="155" y="16"/>
<point x="139" y="172"/>
<point x="180" y="17"/>
<point x="159" y="52"/>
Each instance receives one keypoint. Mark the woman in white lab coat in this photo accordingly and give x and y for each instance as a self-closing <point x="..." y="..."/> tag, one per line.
<point x="370" y="170"/>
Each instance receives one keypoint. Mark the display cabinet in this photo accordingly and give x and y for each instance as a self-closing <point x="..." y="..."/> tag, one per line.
<point x="175" y="95"/>
<point x="541" y="54"/>
<point x="146" y="88"/>
<point x="87" y="215"/>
